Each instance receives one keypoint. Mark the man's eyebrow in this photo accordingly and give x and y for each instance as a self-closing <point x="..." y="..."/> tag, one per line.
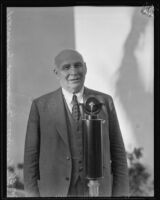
<point x="69" y="64"/>
<point x="78" y="62"/>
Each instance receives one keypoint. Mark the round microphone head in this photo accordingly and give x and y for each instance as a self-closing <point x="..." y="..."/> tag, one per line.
<point x="92" y="105"/>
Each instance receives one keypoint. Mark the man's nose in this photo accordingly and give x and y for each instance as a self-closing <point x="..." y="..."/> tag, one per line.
<point x="73" y="69"/>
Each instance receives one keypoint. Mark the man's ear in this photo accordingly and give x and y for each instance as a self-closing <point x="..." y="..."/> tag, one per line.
<point x="55" y="71"/>
<point x="85" y="67"/>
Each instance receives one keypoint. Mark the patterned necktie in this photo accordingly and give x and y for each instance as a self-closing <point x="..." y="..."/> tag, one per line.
<point x="75" y="108"/>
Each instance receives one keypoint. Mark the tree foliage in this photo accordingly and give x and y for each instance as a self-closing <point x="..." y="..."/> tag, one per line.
<point x="140" y="185"/>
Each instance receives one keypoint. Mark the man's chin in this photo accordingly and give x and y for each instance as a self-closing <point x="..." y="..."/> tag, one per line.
<point x="75" y="88"/>
<point x="72" y="88"/>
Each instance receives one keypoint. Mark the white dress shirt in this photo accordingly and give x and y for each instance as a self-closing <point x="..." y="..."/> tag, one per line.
<point x="68" y="97"/>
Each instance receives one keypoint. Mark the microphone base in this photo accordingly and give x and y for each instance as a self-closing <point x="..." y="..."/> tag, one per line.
<point x="93" y="188"/>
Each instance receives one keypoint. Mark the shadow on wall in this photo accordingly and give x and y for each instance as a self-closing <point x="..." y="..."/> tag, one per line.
<point x="137" y="103"/>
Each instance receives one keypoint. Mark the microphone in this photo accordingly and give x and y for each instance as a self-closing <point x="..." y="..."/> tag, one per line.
<point x="92" y="106"/>
<point x="92" y="138"/>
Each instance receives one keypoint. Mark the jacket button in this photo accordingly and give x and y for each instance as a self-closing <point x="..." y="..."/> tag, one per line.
<point x="80" y="169"/>
<point x="67" y="178"/>
<point x="68" y="158"/>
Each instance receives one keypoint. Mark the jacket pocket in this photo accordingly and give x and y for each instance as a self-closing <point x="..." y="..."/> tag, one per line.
<point x="108" y="166"/>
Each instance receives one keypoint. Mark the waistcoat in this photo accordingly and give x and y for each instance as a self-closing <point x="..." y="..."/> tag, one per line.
<point x="76" y="145"/>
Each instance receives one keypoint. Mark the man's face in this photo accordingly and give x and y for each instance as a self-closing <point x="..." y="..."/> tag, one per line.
<point x="71" y="71"/>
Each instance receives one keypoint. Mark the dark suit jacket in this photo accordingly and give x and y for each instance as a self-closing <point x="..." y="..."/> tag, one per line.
<point x="47" y="167"/>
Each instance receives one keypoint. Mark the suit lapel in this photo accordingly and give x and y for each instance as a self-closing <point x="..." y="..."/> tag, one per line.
<point x="87" y="92"/>
<point x="58" y="111"/>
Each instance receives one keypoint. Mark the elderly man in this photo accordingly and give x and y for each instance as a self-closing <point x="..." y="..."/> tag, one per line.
<point x="53" y="158"/>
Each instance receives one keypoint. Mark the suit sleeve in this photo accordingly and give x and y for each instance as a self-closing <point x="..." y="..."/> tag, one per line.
<point x="31" y="154"/>
<point x="120" y="185"/>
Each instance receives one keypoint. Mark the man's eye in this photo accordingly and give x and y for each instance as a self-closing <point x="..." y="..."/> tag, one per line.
<point x="77" y="65"/>
<point x="66" y="67"/>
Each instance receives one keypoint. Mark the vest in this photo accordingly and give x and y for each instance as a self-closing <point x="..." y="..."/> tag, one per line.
<point x="76" y="145"/>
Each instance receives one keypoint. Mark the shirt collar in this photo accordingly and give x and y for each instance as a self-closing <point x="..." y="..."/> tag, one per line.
<point x="68" y="96"/>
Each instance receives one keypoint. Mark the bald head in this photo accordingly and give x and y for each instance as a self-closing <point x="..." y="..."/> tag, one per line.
<point x="65" y="55"/>
<point x="70" y="70"/>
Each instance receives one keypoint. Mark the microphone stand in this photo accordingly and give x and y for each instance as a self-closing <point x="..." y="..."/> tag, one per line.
<point x="93" y="188"/>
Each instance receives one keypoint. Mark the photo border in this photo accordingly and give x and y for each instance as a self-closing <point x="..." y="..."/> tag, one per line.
<point x="3" y="73"/>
